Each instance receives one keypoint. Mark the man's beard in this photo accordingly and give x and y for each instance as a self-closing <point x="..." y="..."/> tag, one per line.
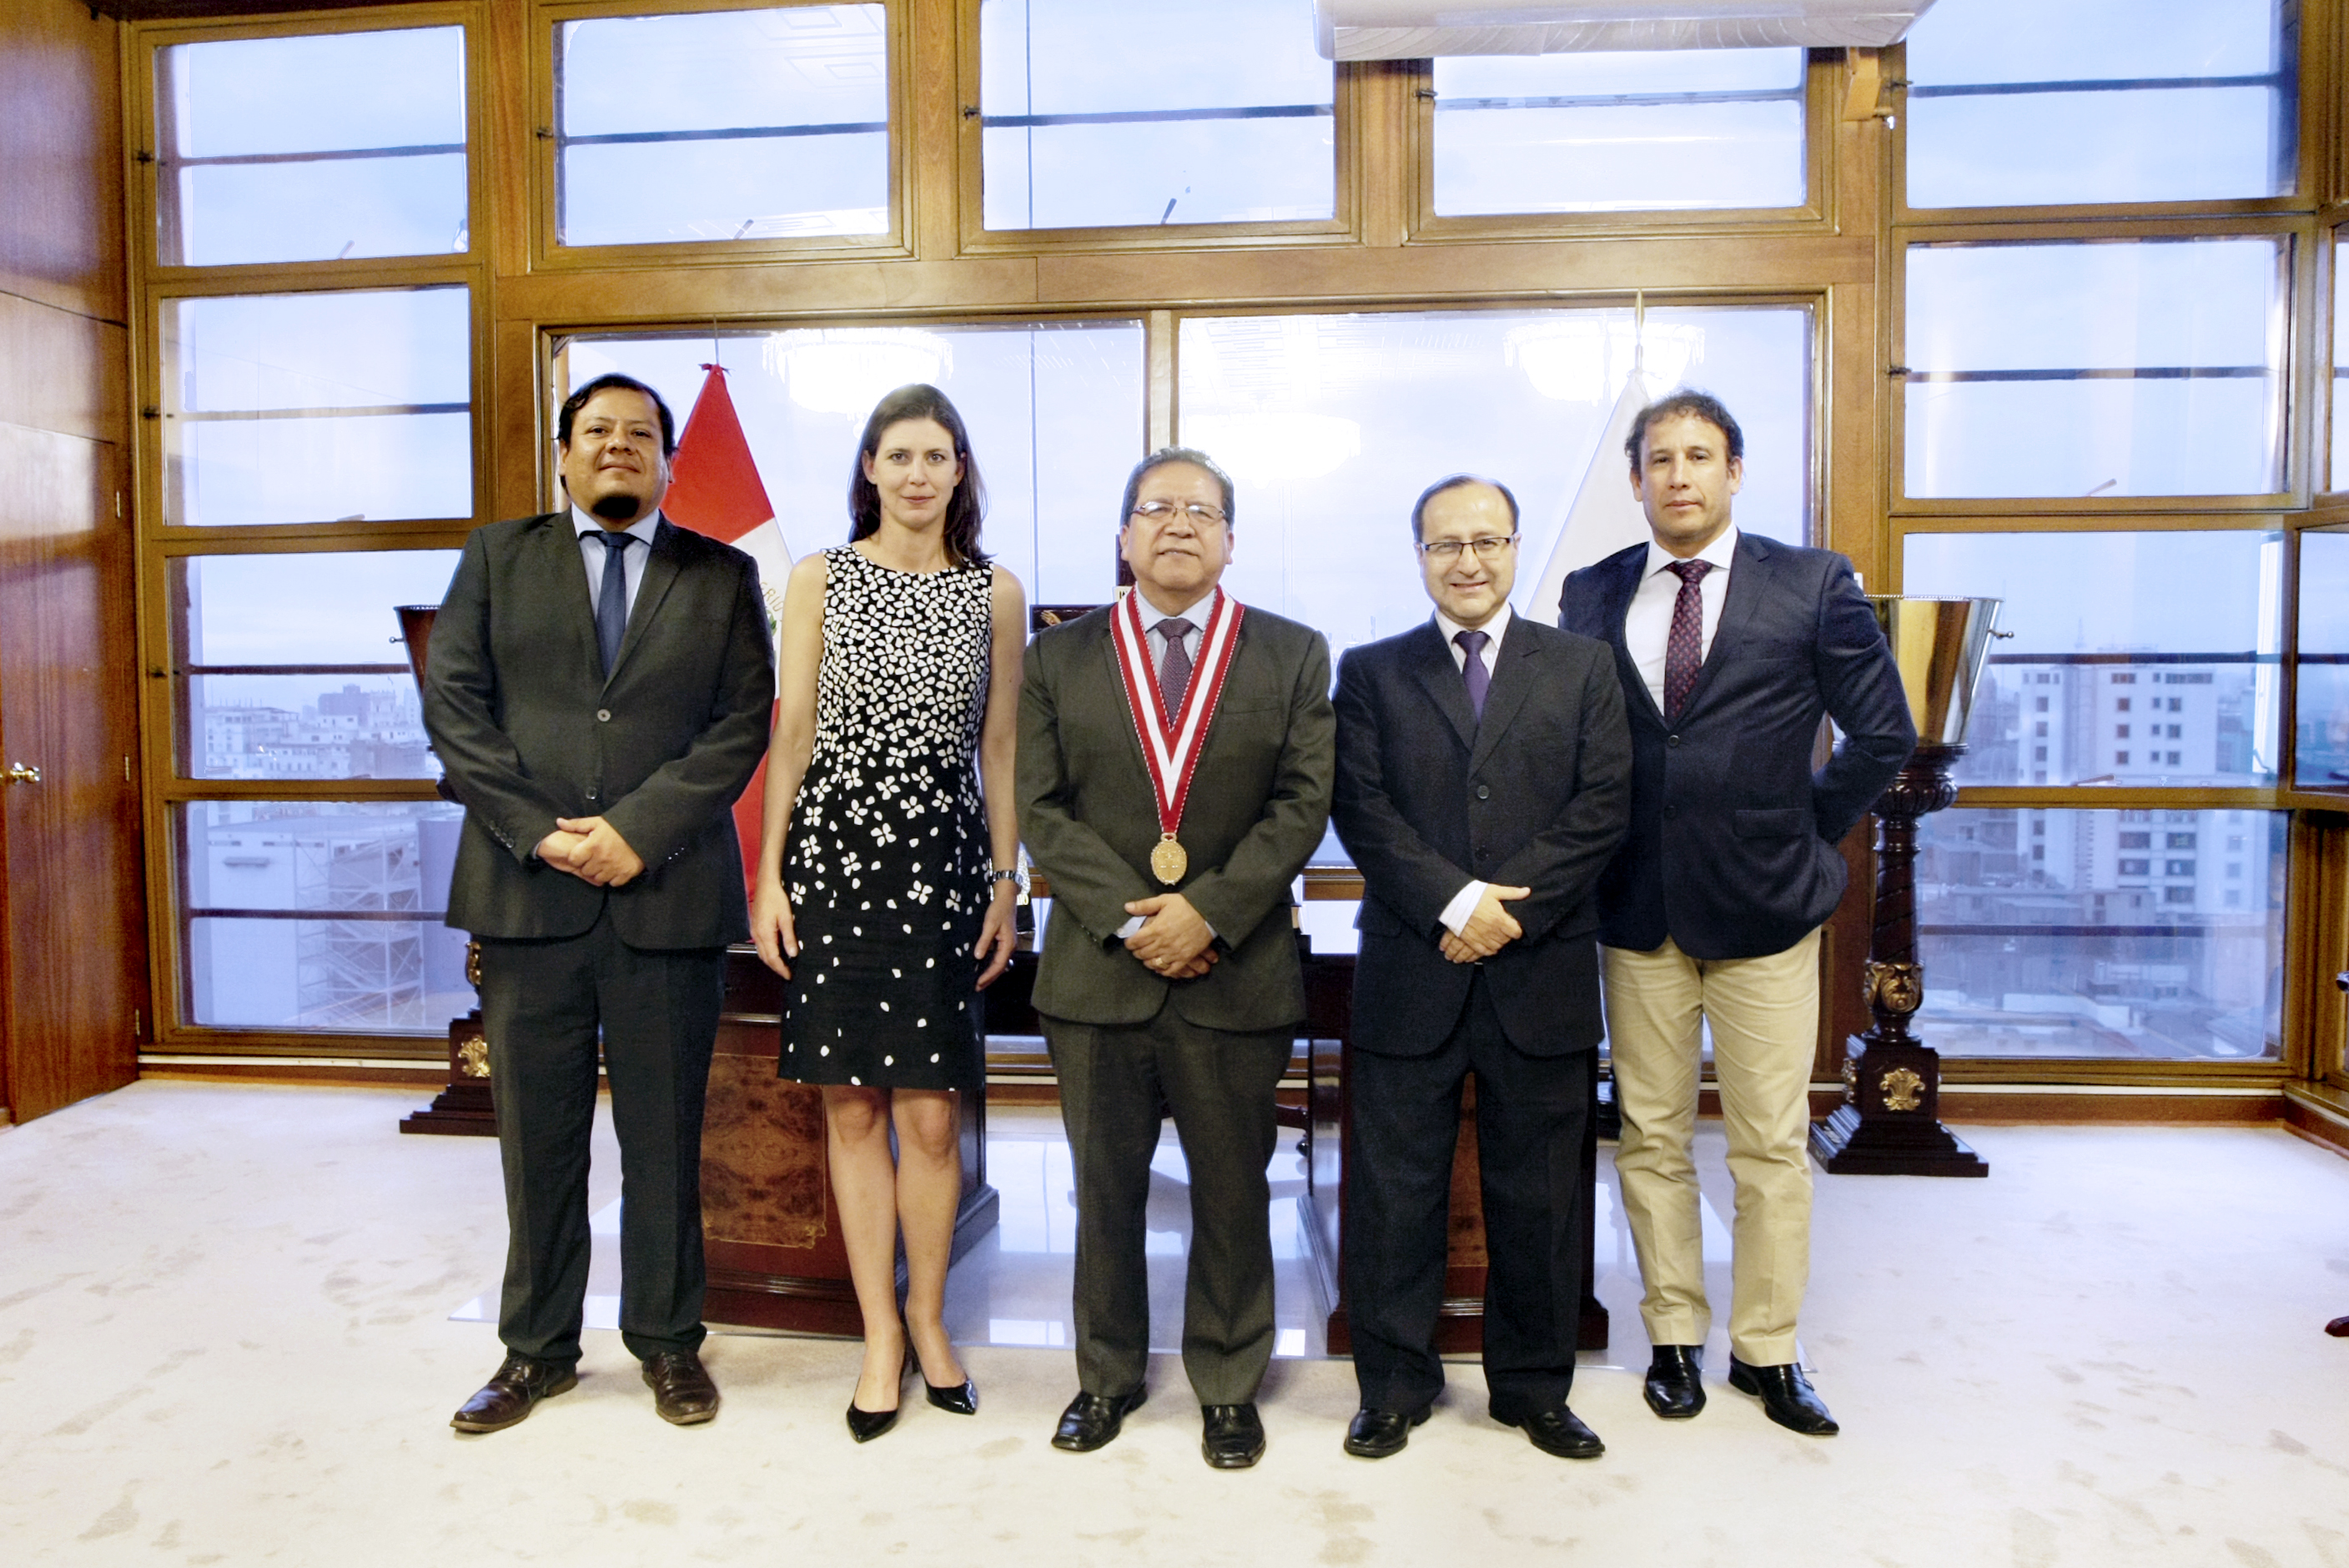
<point x="617" y="508"/>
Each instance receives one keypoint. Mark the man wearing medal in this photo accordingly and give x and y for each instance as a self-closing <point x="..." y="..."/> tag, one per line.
<point x="1177" y="752"/>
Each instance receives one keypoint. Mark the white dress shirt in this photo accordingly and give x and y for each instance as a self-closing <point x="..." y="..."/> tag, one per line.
<point x="1196" y="613"/>
<point x="1648" y="625"/>
<point x="1463" y="902"/>
<point x="632" y="563"/>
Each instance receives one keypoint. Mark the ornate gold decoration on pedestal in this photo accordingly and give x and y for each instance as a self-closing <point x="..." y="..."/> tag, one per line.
<point x="1888" y="1124"/>
<point x="473" y="1057"/>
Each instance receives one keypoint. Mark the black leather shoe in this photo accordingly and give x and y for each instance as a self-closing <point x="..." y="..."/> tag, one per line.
<point x="1233" y="1437"/>
<point x="1557" y="1432"/>
<point x="682" y="1392"/>
<point x="518" y="1384"/>
<point x="1674" y="1388"/>
<point x="866" y="1424"/>
<point x="1787" y="1397"/>
<point x="1091" y="1421"/>
<point x="1376" y="1434"/>
<point x="962" y="1400"/>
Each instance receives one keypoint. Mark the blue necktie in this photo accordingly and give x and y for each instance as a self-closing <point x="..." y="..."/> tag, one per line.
<point x="1471" y="668"/>
<point x="612" y="604"/>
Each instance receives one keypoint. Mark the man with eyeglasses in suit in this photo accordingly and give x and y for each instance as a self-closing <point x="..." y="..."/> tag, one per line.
<point x="1484" y="782"/>
<point x="1175" y="752"/>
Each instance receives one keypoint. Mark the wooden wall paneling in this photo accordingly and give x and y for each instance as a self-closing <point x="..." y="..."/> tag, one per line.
<point x="76" y="968"/>
<point x="63" y="371"/>
<point x="61" y="143"/>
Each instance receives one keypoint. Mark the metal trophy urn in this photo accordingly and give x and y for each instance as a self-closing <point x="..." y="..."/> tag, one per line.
<point x="466" y="1105"/>
<point x="1888" y="1123"/>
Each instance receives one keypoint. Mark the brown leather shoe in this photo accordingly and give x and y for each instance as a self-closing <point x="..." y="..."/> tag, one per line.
<point x="682" y="1391"/>
<point x="518" y="1384"/>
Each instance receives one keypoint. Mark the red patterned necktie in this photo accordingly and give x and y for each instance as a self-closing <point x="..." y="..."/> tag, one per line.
<point x="1684" y="649"/>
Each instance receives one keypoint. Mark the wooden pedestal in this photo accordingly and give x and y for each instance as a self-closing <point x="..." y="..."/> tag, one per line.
<point x="465" y="1107"/>
<point x="1460" y="1324"/>
<point x="770" y="1230"/>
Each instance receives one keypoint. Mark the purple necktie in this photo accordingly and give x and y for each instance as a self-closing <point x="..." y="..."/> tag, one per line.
<point x="1684" y="649"/>
<point x="1175" y="666"/>
<point x="1471" y="668"/>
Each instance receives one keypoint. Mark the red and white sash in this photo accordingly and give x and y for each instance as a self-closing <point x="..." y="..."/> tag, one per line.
<point x="1171" y="743"/>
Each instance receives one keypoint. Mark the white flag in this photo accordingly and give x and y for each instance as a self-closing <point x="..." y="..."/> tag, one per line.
<point x="1603" y="517"/>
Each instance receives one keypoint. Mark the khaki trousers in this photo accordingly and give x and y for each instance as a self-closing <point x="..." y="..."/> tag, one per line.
<point x="1764" y="1014"/>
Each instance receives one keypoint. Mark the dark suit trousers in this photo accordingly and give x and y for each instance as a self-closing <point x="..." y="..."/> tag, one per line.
<point x="1531" y="1113"/>
<point x="543" y="1005"/>
<point x="1219" y="1087"/>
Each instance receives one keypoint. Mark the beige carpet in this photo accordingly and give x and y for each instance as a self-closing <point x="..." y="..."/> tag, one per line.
<point x="225" y="1338"/>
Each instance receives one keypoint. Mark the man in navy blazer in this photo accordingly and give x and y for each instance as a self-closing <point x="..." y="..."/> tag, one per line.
<point x="1484" y="783"/>
<point x="1731" y="649"/>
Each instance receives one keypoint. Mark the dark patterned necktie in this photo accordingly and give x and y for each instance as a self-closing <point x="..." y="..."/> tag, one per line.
<point x="1684" y="649"/>
<point x="1175" y="666"/>
<point x="612" y="602"/>
<point x="1471" y="668"/>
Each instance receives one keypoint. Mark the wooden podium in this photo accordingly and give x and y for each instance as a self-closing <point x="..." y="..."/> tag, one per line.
<point x="1460" y="1326"/>
<point x="770" y="1230"/>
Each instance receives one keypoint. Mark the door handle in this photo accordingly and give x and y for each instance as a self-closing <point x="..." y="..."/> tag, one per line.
<point x="20" y="774"/>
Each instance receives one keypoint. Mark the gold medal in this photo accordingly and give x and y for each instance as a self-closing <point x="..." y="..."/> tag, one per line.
<point x="1169" y="860"/>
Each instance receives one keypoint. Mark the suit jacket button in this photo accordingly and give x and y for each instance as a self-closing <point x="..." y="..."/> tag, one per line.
<point x="1671" y="740"/>
<point x="602" y="716"/>
<point x="1671" y="810"/>
<point x="591" y="794"/>
<point x="1483" y="791"/>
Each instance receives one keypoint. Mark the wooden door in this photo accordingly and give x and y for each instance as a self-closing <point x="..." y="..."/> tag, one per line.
<point x="73" y="986"/>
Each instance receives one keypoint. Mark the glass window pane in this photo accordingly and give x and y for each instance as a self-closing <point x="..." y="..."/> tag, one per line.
<point x="1618" y="132"/>
<point x="2148" y="101"/>
<point x="289" y="666"/>
<point x="309" y="148"/>
<point x="2114" y="368"/>
<point x="1332" y="425"/>
<point x="1154" y="111"/>
<point x="324" y="916"/>
<point x="2321" y="701"/>
<point x="2117" y="672"/>
<point x="727" y="125"/>
<point x="1055" y="413"/>
<point x="2139" y="935"/>
<point x="317" y="407"/>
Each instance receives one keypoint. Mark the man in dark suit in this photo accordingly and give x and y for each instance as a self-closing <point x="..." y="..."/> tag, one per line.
<point x="1731" y="650"/>
<point x="1174" y="761"/>
<point x="597" y="689"/>
<point x="1484" y="781"/>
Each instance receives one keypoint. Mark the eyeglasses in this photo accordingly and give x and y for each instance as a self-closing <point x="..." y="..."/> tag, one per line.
<point x="1445" y="551"/>
<point x="1199" y="512"/>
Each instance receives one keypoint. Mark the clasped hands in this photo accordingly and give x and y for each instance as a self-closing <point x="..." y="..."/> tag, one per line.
<point x="1488" y="928"/>
<point x="592" y="849"/>
<point x="1173" y="940"/>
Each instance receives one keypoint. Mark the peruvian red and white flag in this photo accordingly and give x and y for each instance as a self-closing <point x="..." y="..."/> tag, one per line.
<point x="714" y="489"/>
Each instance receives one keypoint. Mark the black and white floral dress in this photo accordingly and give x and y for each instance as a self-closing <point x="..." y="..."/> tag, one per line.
<point x="888" y="859"/>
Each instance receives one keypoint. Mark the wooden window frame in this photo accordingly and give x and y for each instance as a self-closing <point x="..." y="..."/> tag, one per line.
<point x="546" y="254"/>
<point x="1355" y="100"/>
<point x="1824" y="78"/>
